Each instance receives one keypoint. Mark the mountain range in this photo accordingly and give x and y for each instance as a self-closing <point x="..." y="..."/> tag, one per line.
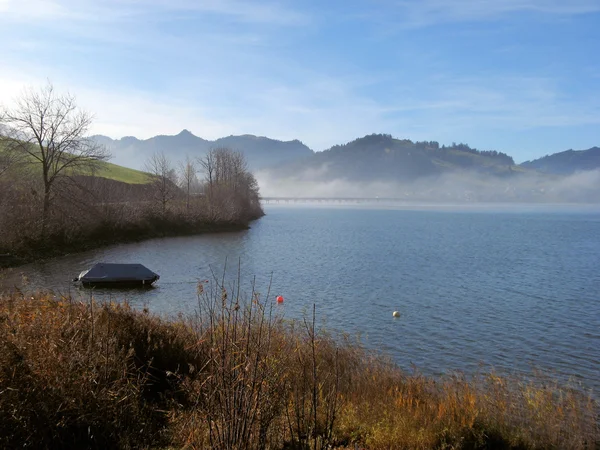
<point x="384" y="158"/>
<point x="567" y="162"/>
<point x="382" y="154"/>
<point x="260" y="151"/>
<point x="381" y="165"/>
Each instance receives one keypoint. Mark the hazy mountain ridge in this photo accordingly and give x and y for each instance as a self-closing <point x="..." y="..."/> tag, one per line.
<point x="260" y="151"/>
<point x="376" y="156"/>
<point x="567" y="162"/>
<point x="381" y="165"/>
<point x="384" y="158"/>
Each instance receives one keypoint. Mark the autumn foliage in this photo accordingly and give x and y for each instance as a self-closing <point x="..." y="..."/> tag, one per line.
<point x="78" y="374"/>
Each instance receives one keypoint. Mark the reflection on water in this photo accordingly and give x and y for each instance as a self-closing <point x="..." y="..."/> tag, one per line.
<point x="515" y="289"/>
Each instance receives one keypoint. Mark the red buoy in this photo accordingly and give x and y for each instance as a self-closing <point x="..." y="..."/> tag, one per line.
<point x="279" y="299"/>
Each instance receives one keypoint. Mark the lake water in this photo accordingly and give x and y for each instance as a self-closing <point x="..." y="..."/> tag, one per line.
<point x="515" y="288"/>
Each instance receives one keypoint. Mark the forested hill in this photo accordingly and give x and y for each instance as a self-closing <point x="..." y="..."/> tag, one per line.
<point x="382" y="157"/>
<point x="259" y="151"/>
<point x="567" y="162"/>
<point x="372" y="157"/>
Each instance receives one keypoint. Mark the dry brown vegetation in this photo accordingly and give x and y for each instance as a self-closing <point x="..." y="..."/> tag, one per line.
<point x="77" y="374"/>
<point x="48" y="186"/>
<point x="88" y="212"/>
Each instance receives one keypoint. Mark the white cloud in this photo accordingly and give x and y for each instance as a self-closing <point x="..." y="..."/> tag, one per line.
<point x="247" y="11"/>
<point x="32" y="10"/>
<point x="111" y="10"/>
<point x="509" y="102"/>
<point x="427" y="12"/>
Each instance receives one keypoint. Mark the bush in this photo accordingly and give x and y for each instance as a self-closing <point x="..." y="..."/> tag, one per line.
<point x="236" y="375"/>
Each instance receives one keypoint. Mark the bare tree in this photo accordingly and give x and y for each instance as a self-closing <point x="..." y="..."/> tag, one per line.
<point x="187" y="179"/>
<point x="208" y="164"/>
<point x="223" y="166"/>
<point x="164" y="179"/>
<point x="232" y="189"/>
<point x="48" y="129"/>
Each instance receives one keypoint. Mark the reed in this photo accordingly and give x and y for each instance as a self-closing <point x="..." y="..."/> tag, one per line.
<point x="236" y="375"/>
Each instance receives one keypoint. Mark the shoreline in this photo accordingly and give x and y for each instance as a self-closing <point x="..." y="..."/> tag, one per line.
<point x="147" y="390"/>
<point x="11" y="261"/>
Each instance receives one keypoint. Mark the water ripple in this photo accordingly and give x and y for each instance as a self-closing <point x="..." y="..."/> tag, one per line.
<point x="511" y="290"/>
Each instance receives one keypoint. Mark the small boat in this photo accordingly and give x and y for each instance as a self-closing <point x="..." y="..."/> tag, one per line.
<point x="117" y="275"/>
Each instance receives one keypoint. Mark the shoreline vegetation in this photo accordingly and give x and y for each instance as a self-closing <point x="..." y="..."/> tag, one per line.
<point x="236" y="375"/>
<point x="37" y="252"/>
<point x="52" y="202"/>
<point x="132" y="222"/>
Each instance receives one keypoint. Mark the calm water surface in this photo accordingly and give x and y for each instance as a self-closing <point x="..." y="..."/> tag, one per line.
<point x="514" y="288"/>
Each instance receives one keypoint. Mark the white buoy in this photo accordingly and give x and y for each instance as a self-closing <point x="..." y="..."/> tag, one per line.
<point x="396" y="314"/>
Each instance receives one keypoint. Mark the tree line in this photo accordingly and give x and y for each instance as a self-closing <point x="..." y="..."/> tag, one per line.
<point x="440" y="151"/>
<point x="52" y="199"/>
<point x="219" y="181"/>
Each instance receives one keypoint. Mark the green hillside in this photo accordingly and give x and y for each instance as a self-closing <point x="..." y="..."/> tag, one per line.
<point x="104" y="170"/>
<point x="119" y="173"/>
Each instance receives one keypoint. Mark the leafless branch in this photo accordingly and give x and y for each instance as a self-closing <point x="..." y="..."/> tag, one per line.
<point x="164" y="179"/>
<point x="48" y="129"/>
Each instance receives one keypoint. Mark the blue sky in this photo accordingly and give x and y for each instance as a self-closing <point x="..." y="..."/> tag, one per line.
<point x="519" y="76"/>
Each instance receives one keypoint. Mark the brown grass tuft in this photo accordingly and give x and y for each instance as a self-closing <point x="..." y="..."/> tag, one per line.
<point x="79" y="374"/>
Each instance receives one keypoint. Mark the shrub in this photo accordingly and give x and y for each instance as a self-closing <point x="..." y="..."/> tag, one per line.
<point x="236" y="375"/>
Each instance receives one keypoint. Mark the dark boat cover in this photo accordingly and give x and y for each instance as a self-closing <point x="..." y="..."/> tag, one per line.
<point x="114" y="273"/>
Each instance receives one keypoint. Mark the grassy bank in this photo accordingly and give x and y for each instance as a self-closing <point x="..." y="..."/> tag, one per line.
<point x="77" y="374"/>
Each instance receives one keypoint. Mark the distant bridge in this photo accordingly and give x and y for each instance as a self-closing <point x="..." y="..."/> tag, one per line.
<point x="331" y="200"/>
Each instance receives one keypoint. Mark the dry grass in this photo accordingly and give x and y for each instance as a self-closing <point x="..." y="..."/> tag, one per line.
<point x="77" y="374"/>
<point x="74" y="374"/>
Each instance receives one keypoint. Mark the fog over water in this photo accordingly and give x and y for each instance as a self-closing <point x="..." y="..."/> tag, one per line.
<point x="583" y="187"/>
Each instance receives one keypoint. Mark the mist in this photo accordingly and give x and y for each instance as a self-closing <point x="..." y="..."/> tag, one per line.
<point x="462" y="186"/>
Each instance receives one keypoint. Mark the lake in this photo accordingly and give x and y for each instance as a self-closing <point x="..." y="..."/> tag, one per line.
<point x="515" y="288"/>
